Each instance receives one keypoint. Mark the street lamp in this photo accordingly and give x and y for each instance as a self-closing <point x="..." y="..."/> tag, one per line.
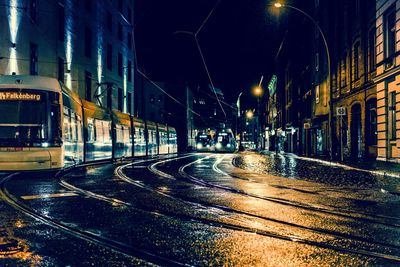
<point x="249" y="114"/>
<point x="280" y="5"/>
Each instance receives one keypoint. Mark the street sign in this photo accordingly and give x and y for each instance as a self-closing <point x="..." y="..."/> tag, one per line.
<point x="340" y="111"/>
<point x="272" y="85"/>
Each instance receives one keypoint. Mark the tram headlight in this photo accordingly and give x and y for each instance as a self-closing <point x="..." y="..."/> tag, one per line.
<point x="199" y="146"/>
<point x="218" y="145"/>
<point x="45" y="144"/>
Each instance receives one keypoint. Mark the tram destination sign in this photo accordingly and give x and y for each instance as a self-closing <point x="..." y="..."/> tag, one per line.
<point x="22" y="96"/>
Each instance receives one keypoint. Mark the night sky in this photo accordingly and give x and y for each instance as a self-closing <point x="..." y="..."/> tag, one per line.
<point x="239" y="42"/>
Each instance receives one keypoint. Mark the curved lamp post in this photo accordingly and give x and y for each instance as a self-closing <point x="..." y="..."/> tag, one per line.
<point x="280" y="5"/>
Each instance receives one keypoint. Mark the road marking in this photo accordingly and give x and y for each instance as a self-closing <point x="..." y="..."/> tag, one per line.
<point x="69" y="194"/>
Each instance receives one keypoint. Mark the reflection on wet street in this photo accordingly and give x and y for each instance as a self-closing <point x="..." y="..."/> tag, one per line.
<point x="243" y="209"/>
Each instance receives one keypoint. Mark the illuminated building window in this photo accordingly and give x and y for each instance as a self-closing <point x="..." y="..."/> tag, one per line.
<point x="33" y="11"/>
<point x="88" y="42"/>
<point x="61" y="70"/>
<point x="34" y="68"/>
<point x="109" y="56"/>
<point x="129" y="70"/>
<point x="120" y="99"/>
<point x="61" y="23"/>
<point x="119" y="64"/>
<point x="88" y="86"/>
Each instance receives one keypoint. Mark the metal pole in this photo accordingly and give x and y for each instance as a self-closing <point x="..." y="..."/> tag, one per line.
<point x="341" y="138"/>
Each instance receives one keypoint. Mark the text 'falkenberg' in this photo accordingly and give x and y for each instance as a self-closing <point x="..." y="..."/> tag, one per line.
<point x="19" y="96"/>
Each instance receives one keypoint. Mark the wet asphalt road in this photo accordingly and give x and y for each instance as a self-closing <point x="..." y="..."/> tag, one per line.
<point x="203" y="210"/>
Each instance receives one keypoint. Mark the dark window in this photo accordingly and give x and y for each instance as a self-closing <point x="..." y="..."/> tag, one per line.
<point x="88" y="86"/>
<point x="129" y="70"/>
<point x="119" y="64"/>
<point x="129" y="101"/>
<point x="61" y="23"/>
<point x="356" y="59"/>
<point x="343" y="71"/>
<point x="120" y="99"/>
<point x="120" y="6"/>
<point x="88" y="5"/>
<point x="34" y="59"/>
<point x="88" y="42"/>
<point x="371" y="129"/>
<point x="109" y="97"/>
<point x="372" y="55"/>
<point x="392" y="115"/>
<point x="129" y="40"/>
<point x="33" y="11"/>
<point x="120" y="32"/>
<point x="130" y="15"/>
<point x="109" y="21"/>
<point x="390" y="32"/>
<point x="61" y="69"/>
<point x="109" y="56"/>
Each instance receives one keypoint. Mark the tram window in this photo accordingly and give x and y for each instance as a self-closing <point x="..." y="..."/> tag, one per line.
<point x="79" y="127"/>
<point x="73" y="126"/>
<point x="90" y="129"/>
<point x="119" y="133"/>
<point x="106" y="131"/>
<point x="99" y="130"/>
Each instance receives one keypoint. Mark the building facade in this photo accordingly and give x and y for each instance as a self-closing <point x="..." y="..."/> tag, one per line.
<point x="358" y="84"/>
<point x="388" y="79"/>
<point x="87" y="44"/>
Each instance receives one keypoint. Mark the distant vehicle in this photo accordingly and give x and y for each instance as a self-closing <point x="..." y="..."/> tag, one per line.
<point x="45" y="125"/>
<point x="204" y="142"/>
<point x="225" y="141"/>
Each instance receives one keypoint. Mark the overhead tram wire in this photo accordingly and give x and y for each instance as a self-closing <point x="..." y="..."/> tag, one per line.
<point x="202" y="56"/>
<point x="194" y="34"/>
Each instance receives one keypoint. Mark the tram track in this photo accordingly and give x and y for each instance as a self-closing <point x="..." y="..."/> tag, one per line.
<point x="297" y="239"/>
<point x="97" y="239"/>
<point x="344" y="214"/>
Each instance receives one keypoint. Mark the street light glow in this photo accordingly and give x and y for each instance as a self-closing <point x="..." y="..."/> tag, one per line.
<point x="249" y="114"/>
<point x="258" y="91"/>
<point x="278" y="5"/>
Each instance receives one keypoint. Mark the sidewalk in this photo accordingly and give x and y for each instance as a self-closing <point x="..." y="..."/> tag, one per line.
<point x="373" y="166"/>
